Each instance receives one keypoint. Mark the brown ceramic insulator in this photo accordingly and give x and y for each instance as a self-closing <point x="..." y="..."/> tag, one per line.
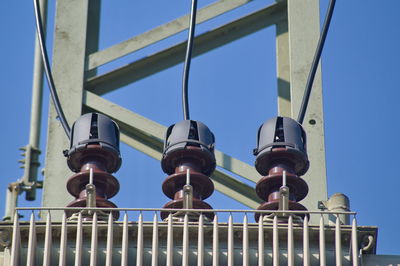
<point x="268" y="186"/>
<point x="202" y="186"/>
<point x="106" y="184"/>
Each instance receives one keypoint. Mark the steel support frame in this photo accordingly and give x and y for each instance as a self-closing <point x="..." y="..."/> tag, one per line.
<point x="76" y="40"/>
<point x="75" y="37"/>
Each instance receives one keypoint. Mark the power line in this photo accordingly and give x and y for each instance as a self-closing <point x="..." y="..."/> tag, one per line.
<point x="49" y="76"/>
<point x="188" y="58"/>
<point x="314" y="65"/>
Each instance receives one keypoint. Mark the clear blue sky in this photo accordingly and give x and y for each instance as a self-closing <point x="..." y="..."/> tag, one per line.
<point x="233" y="90"/>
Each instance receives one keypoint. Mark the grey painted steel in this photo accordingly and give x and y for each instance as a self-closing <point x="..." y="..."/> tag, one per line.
<point x="110" y="240"/>
<point x="303" y="38"/>
<point x="322" y="254"/>
<point x="47" y="242"/>
<point x="139" y="245"/>
<point x="93" y="244"/>
<point x="230" y="237"/>
<point x="63" y="241"/>
<point x="200" y="242"/>
<point x="306" y="243"/>
<point x="31" y="242"/>
<point x="215" y="242"/>
<point x="175" y="54"/>
<point x="154" y="250"/>
<point x="290" y="242"/>
<point x="72" y="43"/>
<point x="261" y="245"/>
<point x="372" y="260"/>
<point x="338" y="242"/>
<point x="159" y="33"/>
<point x="79" y="241"/>
<point x="32" y="151"/>
<point x="147" y="137"/>
<point x="283" y="67"/>
<point x="275" y="242"/>
<point x="354" y="243"/>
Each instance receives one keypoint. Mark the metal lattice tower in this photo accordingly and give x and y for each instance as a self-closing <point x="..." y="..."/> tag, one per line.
<point x="76" y="41"/>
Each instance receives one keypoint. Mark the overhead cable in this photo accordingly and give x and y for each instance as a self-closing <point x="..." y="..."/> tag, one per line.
<point x="188" y="58"/>
<point x="46" y="64"/>
<point x="314" y="65"/>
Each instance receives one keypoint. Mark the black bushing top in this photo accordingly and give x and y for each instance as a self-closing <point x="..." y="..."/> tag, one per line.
<point x="281" y="132"/>
<point x="178" y="140"/>
<point x="94" y="128"/>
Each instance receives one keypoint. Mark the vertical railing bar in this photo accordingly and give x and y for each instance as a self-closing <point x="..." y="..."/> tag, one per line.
<point x="322" y="256"/>
<point x="30" y="260"/>
<point x="230" y="241"/>
<point x="200" y="242"/>
<point x="93" y="245"/>
<point x="261" y="241"/>
<point x="215" y="252"/>
<point x="124" y="252"/>
<point x="16" y="242"/>
<point x="78" y="247"/>
<point x="170" y="241"/>
<point x="63" y="241"/>
<point x="110" y="235"/>
<point x="354" y="242"/>
<point x="154" y="253"/>
<point x="290" y="242"/>
<point x="139" y="250"/>
<point x="306" y="243"/>
<point x="47" y="242"/>
<point x="185" y="241"/>
<point x="245" y="241"/>
<point x="338" y="242"/>
<point x="275" y="242"/>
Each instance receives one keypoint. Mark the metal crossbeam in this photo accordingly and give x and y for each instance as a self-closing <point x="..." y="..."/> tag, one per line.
<point x="147" y="136"/>
<point x="157" y="34"/>
<point x="174" y="55"/>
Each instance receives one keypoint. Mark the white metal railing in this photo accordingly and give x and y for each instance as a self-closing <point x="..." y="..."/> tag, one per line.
<point x="204" y="242"/>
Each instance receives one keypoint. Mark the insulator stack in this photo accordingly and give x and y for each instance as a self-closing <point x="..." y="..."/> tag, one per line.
<point x="189" y="145"/>
<point x="94" y="145"/>
<point x="281" y="147"/>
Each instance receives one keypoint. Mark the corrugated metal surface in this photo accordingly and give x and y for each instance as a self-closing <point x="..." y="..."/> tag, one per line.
<point x="230" y="239"/>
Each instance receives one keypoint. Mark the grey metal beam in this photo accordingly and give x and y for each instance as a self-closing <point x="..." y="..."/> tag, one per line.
<point x="283" y="68"/>
<point x="147" y="136"/>
<point x="174" y="55"/>
<point x="303" y="38"/>
<point x="159" y="33"/>
<point x="72" y="42"/>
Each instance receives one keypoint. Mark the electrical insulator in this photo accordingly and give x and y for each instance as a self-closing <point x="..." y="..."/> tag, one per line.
<point x="281" y="147"/>
<point x="94" y="145"/>
<point x="189" y="145"/>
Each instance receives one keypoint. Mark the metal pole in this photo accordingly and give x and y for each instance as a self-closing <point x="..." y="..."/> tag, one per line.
<point x="32" y="150"/>
<point x="37" y="88"/>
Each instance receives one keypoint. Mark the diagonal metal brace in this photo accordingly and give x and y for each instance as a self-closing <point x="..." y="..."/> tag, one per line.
<point x="147" y="136"/>
<point x="174" y="55"/>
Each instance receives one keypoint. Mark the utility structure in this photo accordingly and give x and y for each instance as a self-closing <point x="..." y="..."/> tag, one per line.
<point x="80" y="88"/>
<point x="167" y="242"/>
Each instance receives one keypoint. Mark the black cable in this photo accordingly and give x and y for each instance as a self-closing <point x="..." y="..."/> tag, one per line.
<point x="50" y="81"/>
<point x="188" y="58"/>
<point x="314" y="65"/>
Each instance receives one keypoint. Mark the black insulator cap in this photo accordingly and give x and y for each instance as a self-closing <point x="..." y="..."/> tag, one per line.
<point x="192" y="140"/>
<point x="97" y="129"/>
<point x="286" y="133"/>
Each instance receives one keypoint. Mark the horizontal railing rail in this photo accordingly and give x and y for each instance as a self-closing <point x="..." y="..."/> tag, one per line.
<point x="93" y="236"/>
